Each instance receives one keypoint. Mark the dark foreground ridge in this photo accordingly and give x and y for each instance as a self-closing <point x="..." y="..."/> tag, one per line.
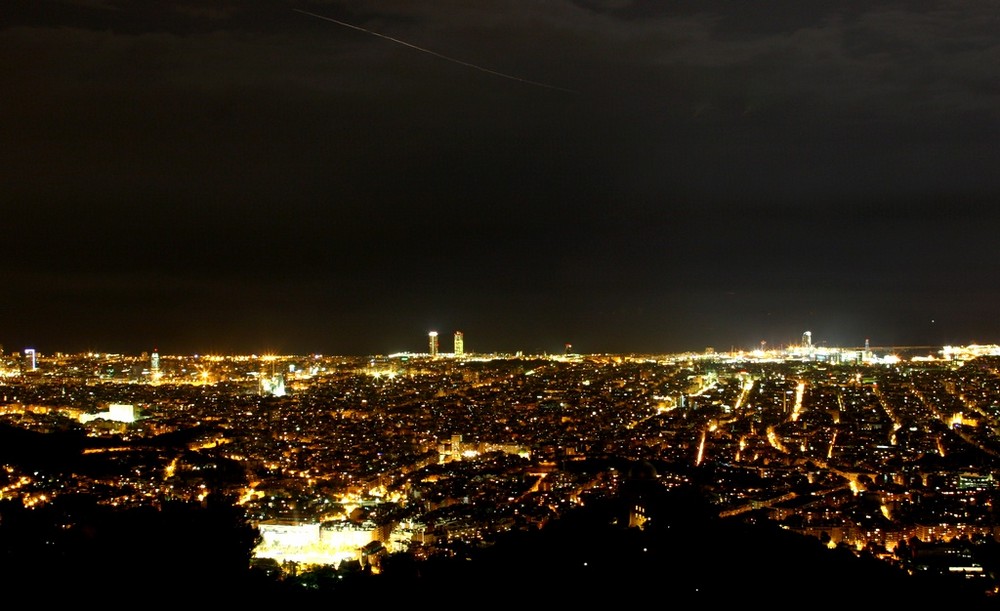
<point x="683" y="554"/>
<point x="74" y="549"/>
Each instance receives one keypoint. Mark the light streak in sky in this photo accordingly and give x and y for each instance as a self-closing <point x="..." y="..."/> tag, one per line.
<point x="434" y="53"/>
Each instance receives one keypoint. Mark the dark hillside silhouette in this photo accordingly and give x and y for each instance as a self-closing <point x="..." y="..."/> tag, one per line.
<point x="74" y="549"/>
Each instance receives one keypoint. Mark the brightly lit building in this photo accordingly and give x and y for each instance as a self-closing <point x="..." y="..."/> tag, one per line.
<point x="313" y="543"/>
<point x="273" y="385"/>
<point x="433" y="343"/>
<point x="459" y="344"/>
<point x="117" y="412"/>
<point x="154" y="366"/>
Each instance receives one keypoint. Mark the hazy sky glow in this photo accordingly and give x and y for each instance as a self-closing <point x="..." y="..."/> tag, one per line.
<point x="244" y="176"/>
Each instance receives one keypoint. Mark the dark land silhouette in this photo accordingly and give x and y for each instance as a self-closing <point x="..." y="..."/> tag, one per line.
<point x="76" y="549"/>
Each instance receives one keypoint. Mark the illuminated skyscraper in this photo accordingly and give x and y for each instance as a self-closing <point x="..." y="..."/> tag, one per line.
<point x="30" y="353"/>
<point x="433" y="348"/>
<point x="459" y="343"/>
<point x="154" y="366"/>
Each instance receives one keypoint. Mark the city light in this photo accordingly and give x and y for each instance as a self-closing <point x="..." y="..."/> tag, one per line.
<point x="349" y="439"/>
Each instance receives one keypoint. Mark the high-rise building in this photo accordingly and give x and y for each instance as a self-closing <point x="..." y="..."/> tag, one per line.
<point x="433" y="340"/>
<point x="459" y="343"/>
<point x="154" y="366"/>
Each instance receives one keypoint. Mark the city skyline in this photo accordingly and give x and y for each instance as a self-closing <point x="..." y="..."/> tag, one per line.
<point x="802" y="347"/>
<point x="393" y="465"/>
<point x="624" y="176"/>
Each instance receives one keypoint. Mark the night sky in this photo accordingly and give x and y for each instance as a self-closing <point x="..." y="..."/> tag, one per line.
<point x="342" y="177"/>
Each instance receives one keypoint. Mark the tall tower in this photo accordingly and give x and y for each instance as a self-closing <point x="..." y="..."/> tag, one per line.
<point x="433" y="341"/>
<point x="807" y="339"/>
<point x="154" y="365"/>
<point x="459" y="343"/>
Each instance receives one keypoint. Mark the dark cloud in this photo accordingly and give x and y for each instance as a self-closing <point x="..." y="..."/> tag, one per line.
<point x="238" y="173"/>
